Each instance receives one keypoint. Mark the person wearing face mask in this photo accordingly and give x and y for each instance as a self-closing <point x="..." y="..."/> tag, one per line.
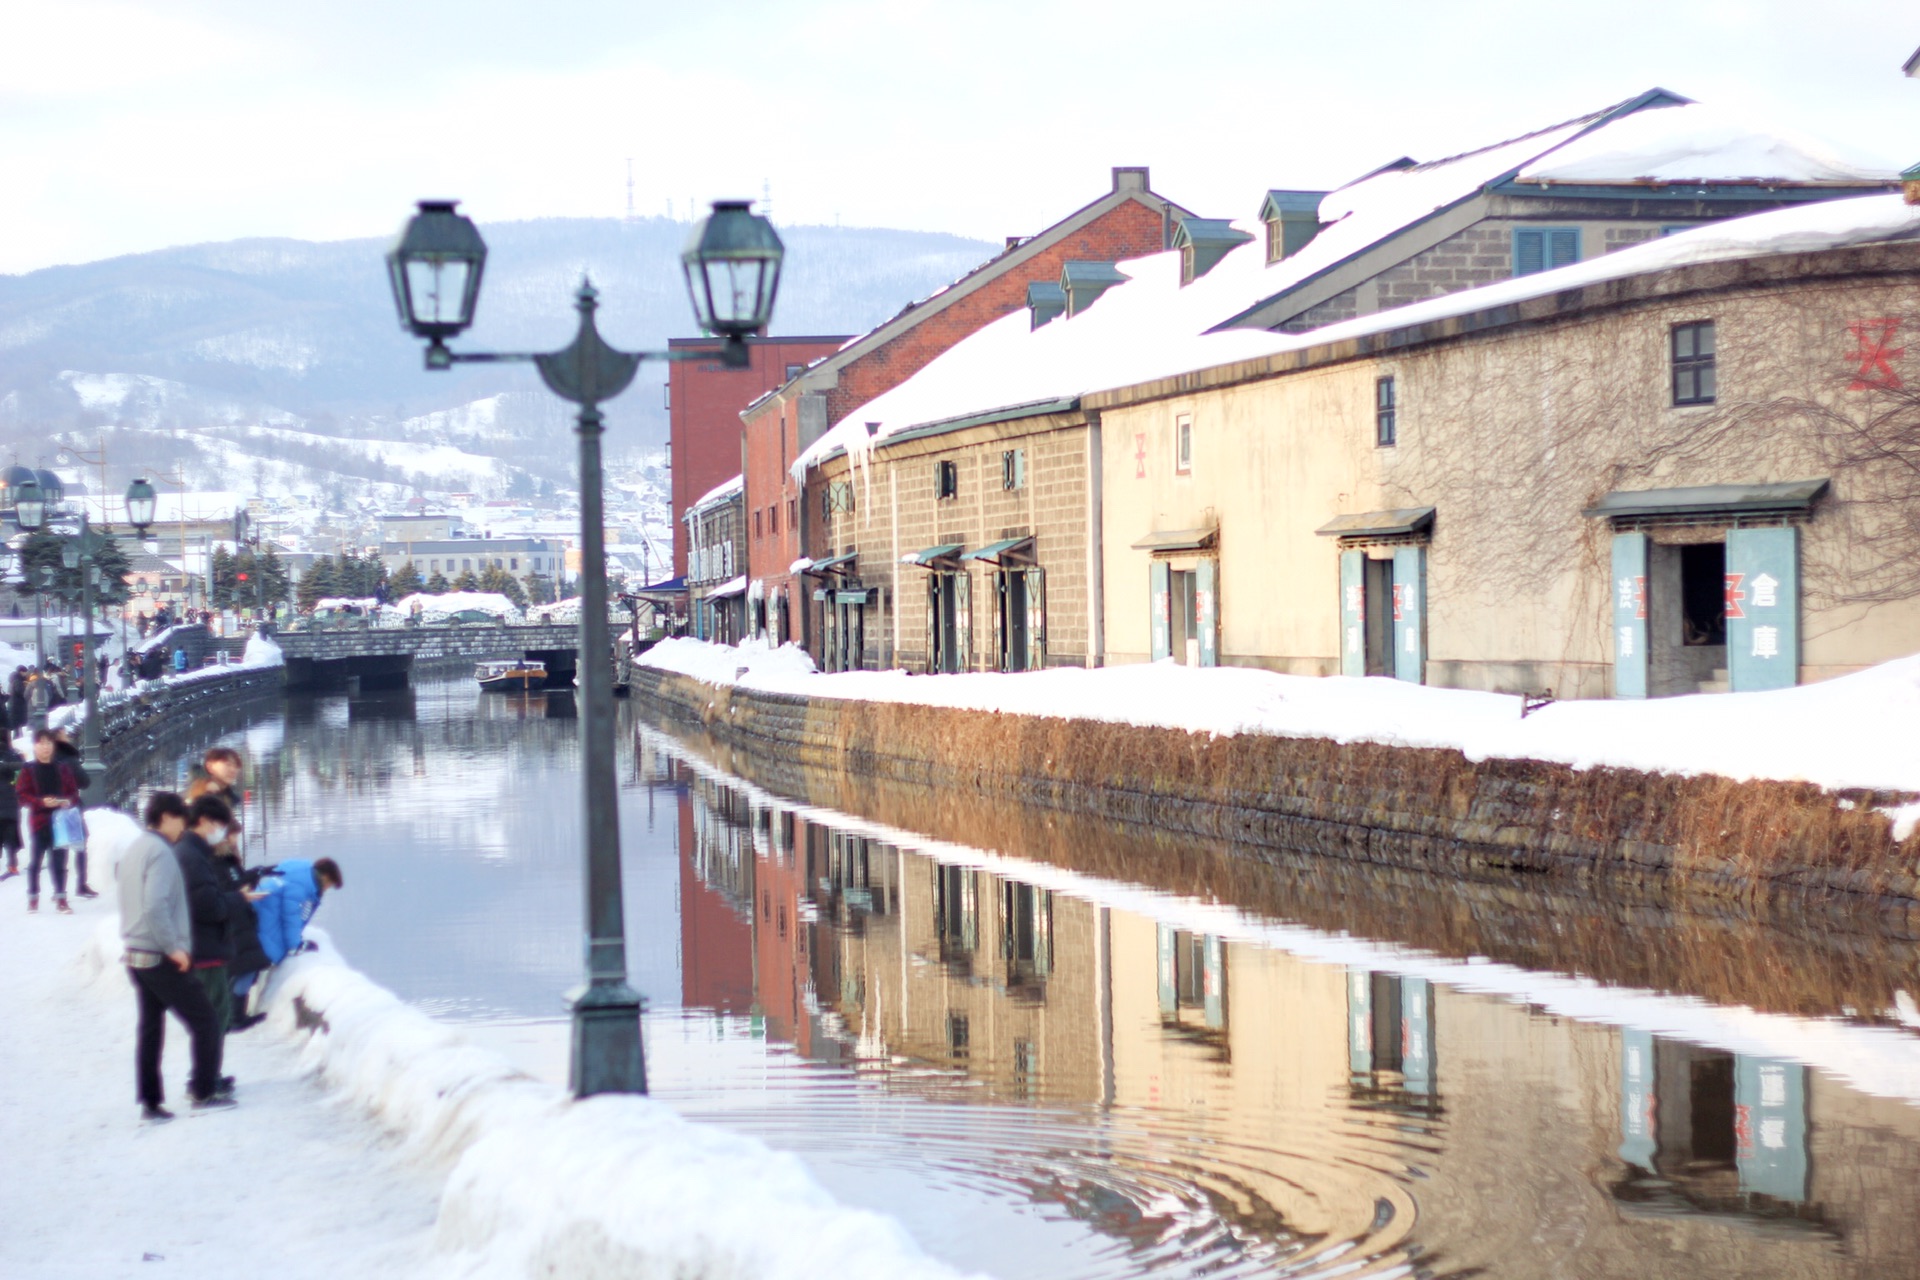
<point x="210" y="902"/>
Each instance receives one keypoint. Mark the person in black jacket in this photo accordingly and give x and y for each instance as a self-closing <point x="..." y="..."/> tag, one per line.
<point x="210" y="903"/>
<point x="9" y="813"/>
<point x="64" y="752"/>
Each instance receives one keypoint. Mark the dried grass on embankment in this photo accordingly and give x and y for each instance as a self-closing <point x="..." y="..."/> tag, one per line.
<point x="1419" y="809"/>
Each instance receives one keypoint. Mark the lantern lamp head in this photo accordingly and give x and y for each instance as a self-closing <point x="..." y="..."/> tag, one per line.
<point x="140" y="504"/>
<point x="29" y="504"/>
<point x="434" y="267"/>
<point x="732" y="262"/>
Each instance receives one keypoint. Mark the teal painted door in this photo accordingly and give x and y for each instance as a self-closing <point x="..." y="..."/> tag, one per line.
<point x="1637" y="1144"/>
<point x="1359" y="1021"/>
<point x="1159" y="603"/>
<point x="1763" y="608"/>
<point x="1353" y="613"/>
<point x="1629" y="615"/>
<point x="1410" y="614"/>
<point x="1206" y="608"/>
<point x="1167" y="972"/>
<point x="1417" y="1066"/>
<point x="1770" y="1127"/>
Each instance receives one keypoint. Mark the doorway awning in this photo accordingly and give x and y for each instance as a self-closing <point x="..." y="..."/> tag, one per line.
<point x="1006" y="549"/>
<point x="1784" y="498"/>
<point x="732" y="587"/>
<point x="1397" y="523"/>
<point x="1177" y="540"/>
<point x="831" y="564"/>
<point x="931" y="556"/>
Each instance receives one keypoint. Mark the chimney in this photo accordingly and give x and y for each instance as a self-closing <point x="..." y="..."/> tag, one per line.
<point x="1130" y="178"/>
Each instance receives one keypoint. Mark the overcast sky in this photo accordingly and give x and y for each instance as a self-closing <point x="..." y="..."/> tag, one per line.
<point x="132" y="126"/>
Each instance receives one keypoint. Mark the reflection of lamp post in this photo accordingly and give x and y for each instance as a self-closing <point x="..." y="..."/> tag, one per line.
<point x="732" y="265"/>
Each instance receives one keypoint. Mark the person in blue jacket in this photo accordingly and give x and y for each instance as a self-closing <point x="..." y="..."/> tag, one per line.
<point x="291" y="899"/>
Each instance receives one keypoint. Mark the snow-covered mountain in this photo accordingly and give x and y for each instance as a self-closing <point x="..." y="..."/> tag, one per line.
<point x="278" y="365"/>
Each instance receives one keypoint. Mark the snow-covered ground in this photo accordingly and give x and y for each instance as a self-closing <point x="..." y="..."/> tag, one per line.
<point x="370" y="1141"/>
<point x="1856" y="731"/>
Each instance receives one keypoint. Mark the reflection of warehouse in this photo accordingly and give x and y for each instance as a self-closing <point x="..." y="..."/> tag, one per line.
<point x="1294" y="1096"/>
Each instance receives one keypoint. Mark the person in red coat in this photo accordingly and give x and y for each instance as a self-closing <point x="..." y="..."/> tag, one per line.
<point x="45" y="786"/>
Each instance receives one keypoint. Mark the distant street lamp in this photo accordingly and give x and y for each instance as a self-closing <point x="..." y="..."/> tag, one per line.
<point x="732" y="264"/>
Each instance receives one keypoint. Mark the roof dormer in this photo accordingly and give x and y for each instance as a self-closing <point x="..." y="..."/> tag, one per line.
<point x="1083" y="282"/>
<point x="1292" y="218"/>
<point x="1202" y="242"/>
<point x="1045" y="300"/>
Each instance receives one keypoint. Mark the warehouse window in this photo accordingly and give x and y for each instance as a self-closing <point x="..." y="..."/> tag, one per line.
<point x="946" y="479"/>
<point x="1183" y="444"/>
<point x="1544" y="248"/>
<point x="1693" y="372"/>
<point x="1386" y="431"/>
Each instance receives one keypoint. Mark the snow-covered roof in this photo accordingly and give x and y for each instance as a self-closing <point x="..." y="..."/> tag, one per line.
<point x="721" y="492"/>
<point x="1152" y="327"/>
<point x="1698" y="143"/>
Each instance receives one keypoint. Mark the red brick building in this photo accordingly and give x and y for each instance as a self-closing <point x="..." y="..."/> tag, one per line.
<point x="1126" y="222"/>
<point x="704" y="400"/>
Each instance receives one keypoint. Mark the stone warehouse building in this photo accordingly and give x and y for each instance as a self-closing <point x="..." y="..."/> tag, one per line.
<point x="1530" y="482"/>
<point x="1129" y="219"/>
<point x="1670" y="472"/>
<point x="715" y="578"/>
<point x="960" y="546"/>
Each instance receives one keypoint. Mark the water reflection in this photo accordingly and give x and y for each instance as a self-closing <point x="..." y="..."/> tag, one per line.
<point x="1046" y="1079"/>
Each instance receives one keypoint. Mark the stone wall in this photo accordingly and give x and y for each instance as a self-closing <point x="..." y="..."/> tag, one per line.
<point x="1431" y="811"/>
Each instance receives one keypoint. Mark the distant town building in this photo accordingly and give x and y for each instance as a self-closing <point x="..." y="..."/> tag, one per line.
<point x="454" y="556"/>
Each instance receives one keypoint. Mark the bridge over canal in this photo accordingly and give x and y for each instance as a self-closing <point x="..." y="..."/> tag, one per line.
<point x="370" y="657"/>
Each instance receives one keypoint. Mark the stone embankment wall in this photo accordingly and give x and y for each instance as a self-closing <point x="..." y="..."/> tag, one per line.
<point x="1419" y="808"/>
<point x="180" y="713"/>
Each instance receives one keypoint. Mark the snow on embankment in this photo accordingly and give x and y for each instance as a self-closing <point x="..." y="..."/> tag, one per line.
<point x="1855" y="731"/>
<point x="543" y="1185"/>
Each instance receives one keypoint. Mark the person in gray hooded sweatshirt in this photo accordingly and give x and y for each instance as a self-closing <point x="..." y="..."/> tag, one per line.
<point x="158" y="933"/>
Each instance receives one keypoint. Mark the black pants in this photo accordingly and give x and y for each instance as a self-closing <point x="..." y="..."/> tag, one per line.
<point x="162" y="988"/>
<point x="42" y="847"/>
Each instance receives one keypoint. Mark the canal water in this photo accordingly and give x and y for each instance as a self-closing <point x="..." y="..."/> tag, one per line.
<point x="1050" y="1071"/>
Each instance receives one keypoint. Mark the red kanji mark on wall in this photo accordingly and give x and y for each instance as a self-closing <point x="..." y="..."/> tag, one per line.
<point x="1140" y="456"/>
<point x="1875" y="354"/>
<point x="1735" y="595"/>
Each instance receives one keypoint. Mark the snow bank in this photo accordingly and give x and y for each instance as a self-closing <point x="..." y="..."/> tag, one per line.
<point x="1851" y="732"/>
<point x="12" y="659"/>
<point x="544" y="1185"/>
<point x="1697" y="142"/>
<point x="262" y="651"/>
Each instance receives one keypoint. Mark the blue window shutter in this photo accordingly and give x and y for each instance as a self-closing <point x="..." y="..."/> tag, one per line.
<point x="1529" y="251"/>
<point x="1563" y="246"/>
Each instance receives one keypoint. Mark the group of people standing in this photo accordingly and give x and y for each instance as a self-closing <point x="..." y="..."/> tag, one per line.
<point x="200" y="927"/>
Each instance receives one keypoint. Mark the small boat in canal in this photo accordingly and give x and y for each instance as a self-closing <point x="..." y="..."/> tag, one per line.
<point x="520" y="675"/>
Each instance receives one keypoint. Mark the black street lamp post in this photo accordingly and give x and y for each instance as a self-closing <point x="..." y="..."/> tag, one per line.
<point x="732" y="264"/>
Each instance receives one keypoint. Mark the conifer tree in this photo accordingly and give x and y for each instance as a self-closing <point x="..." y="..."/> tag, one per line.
<point x="437" y="584"/>
<point x="317" y="583"/>
<point x="405" y="581"/>
<point x="466" y="581"/>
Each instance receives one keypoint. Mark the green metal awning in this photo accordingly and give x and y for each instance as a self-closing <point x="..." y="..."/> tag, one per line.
<point x="929" y="556"/>
<point x="1379" y="524"/>
<point x="995" y="552"/>
<point x="1177" y="540"/>
<point x="1710" y="500"/>
<point x="829" y="563"/>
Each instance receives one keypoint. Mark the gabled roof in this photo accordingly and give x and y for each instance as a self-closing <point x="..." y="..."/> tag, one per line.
<point x="1129" y="184"/>
<point x="1657" y="144"/>
<point x="1208" y="231"/>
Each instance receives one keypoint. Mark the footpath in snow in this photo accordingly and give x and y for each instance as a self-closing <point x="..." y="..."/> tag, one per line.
<point x="370" y="1141"/>
<point x="1856" y="731"/>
